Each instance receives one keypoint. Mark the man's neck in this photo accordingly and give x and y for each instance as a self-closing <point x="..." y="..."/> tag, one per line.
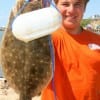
<point x="73" y="30"/>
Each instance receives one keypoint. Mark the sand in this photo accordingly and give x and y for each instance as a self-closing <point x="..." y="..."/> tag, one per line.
<point x="7" y="93"/>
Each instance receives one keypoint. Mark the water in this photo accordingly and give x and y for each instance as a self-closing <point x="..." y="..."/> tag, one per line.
<point x="1" y="72"/>
<point x="1" y="33"/>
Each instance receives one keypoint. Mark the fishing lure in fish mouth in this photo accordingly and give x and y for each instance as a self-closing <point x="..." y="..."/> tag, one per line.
<point x="38" y="23"/>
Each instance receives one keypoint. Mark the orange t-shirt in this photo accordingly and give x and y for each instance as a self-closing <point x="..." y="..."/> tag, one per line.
<point x="77" y="67"/>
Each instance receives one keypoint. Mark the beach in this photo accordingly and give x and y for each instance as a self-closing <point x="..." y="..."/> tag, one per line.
<point x="7" y="93"/>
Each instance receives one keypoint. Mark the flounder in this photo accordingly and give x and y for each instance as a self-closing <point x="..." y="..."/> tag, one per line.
<point x="26" y="66"/>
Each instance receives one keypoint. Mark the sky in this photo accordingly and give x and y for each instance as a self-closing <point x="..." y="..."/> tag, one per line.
<point x="93" y="8"/>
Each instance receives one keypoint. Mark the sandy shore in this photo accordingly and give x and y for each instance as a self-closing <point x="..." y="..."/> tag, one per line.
<point x="7" y="93"/>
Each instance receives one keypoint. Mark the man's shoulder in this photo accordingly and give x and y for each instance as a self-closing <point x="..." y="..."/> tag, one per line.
<point x="91" y="33"/>
<point x="58" y="34"/>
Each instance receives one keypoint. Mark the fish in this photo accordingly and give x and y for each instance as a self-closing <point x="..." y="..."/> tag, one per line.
<point x="27" y="67"/>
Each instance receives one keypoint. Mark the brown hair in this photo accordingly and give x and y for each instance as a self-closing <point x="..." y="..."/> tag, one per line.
<point x="86" y="1"/>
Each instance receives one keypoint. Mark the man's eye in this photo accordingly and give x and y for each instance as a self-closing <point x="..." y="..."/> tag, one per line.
<point x="65" y="4"/>
<point x="78" y="5"/>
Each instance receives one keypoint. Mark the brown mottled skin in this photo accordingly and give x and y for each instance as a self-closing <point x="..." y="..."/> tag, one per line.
<point x="26" y="66"/>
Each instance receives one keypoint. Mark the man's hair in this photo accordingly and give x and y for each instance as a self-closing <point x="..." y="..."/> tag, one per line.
<point x="86" y="1"/>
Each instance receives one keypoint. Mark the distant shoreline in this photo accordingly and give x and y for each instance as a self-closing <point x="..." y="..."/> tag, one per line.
<point x="2" y="28"/>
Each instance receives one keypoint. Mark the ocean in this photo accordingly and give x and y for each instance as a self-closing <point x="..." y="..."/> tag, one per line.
<point x="1" y="72"/>
<point x="1" y="33"/>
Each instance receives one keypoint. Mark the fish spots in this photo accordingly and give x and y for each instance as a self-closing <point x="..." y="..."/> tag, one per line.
<point x="26" y="65"/>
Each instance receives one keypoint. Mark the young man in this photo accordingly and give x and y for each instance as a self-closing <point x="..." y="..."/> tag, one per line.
<point x="77" y="57"/>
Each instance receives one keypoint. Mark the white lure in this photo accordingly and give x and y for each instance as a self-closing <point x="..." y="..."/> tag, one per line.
<point x="33" y="25"/>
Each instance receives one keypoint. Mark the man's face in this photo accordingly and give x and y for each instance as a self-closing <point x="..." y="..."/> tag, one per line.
<point x="72" y="12"/>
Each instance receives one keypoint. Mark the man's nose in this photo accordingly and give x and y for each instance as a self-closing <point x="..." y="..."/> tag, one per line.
<point x="71" y="8"/>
